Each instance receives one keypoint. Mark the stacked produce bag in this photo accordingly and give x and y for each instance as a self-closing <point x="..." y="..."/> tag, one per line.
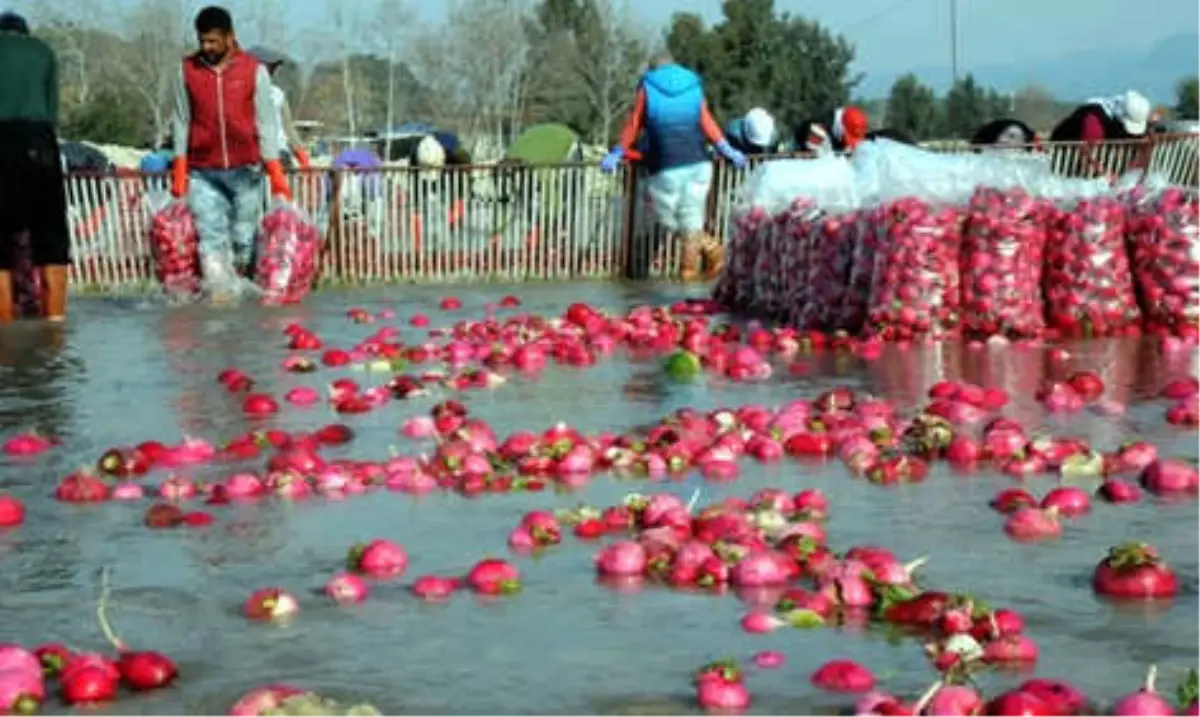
<point x="900" y="243"/>
<point x="174" y="246"/>
<point x="288" y="247"/>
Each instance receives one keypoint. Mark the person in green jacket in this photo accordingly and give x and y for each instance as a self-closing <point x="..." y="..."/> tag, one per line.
<point x="33" y="198"/>
<point x="550" y="143"/>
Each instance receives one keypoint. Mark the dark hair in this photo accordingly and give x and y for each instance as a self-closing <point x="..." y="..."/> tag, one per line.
<point x="213" y="18"/>
<point x="12" y="22"/>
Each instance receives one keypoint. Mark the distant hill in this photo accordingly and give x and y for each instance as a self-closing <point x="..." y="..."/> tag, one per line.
<point x="1078" y="75"/>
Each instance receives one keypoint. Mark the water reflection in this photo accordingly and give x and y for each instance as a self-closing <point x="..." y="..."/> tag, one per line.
<point x="34" y="368"/>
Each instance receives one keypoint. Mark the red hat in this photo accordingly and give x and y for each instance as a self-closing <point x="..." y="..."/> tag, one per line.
<point x="854" y="123"/>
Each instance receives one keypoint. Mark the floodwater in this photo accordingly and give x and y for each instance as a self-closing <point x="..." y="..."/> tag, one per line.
<point x="123" y="372"/>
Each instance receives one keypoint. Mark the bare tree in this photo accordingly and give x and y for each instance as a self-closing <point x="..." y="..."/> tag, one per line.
<point x="343" y="26"/>
<point x="386" y="39"/>
<point x="156" y="35"/>
<point x="606" y="62"/>
<point x="477" y="63"/>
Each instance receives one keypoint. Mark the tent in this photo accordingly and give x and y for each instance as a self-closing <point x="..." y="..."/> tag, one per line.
<point x="548" y="143"/>
<point x="83" y="157"/>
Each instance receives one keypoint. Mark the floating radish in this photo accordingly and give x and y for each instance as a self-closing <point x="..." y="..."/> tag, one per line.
<point x="1145" y="701"/>
<point x="843" y="676"/>
<point x="378" y="559"/>
<point x="1033" y="524"/>
<point x="1134" y="570"/>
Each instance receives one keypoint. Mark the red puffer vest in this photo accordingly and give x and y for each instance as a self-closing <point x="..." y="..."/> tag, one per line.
<point x="224" y="129"/>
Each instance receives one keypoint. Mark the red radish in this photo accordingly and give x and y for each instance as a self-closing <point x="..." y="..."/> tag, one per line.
<point x="378" y="559"/>
<point x="451" y="303"/>
<point x="261" y="700"/>
<point x="21" y="693"/>
<point x="302" y="396"/>
<point x="1145" y="701"/>
<point x="1180" y="389"/>
<point x="1033" y="524"/>
<point x="1087" y="384"/>
<point x="14" y="658"/>
<point x="625" y="557"/>
<point x="82" y="487"/>
<point x="762" y="568"/>
<point x="722" y="695"/>
<point x="433" y="587"/>
<point x="1010" y="500"/>
<point x="1115" y="490"/>
<point x="1065" y="699"/>
<point x="88" y="685"/>
<point x="999" y="623"/>
<point x="955" y="700"/>
<point x="146" y="670"/>
<point x="1134" y="570"/>
<point x="1170" y="477"/>
<point x="346" y="589"/>
<point x="1011" y="649"/>
<point x="1137" y="456"/>
<point x="494" y="576"/>
<point x="27" y="444"/>
<point x="259" y="405"/>
<point x="81" y="660"/>
<point x="761" y="622"/>
<point x="1070" y="501"/>
<point x="963" y="451"/>
<point x="53" y="657"/>
<point x="270" y="604"/>
<point x="1018" y="703"/>
<point x="12" y="511"/>
<point x="769" y="659"/>
<point x="843" y="676"/>
<point x="812" y="503"/>
<point x="128" y="491"/>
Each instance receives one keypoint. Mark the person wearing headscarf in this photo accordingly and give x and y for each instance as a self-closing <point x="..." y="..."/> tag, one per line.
<point x="226" y="137"/>
<point x="839" y="131"/>
<point x="33" y="201"/>
<point x="669" y="105"/>
<point x="753" y="133"/>
<point x="1005" y="133"/>
<point x="1105" y="119"/>
<point x="292" y="147"/>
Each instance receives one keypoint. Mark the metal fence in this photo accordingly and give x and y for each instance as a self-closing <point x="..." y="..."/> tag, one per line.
<point x="554" y="222"/>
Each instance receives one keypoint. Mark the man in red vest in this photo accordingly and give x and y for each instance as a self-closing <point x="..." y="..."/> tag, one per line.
<point x="225" y="135"/>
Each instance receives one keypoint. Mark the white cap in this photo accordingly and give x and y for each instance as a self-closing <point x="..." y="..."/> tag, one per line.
<point x="759" y="127"/>
<point x="1134" y="111"/>
<point x="431" y="154"/>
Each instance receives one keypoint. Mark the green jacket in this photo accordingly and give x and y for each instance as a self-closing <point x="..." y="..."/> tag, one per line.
<point x="28" y="79"/>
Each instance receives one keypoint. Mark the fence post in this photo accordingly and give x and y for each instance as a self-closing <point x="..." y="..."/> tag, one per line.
<point x="629" y="271"/>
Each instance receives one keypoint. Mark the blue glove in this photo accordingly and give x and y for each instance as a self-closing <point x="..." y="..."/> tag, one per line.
<point x="728" y="152"/>
<point x="612" y="159"/>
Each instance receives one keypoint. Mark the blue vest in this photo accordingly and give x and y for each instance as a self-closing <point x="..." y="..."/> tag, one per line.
<point x="674" y="99"/>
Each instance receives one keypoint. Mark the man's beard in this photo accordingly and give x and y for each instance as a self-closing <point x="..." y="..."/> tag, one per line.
<point x="214" y="58"/>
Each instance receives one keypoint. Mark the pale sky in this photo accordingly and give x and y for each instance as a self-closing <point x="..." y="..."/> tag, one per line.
<point x="895" y="35"/>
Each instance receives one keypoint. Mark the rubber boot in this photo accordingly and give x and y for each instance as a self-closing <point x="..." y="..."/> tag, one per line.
<point x="689" y="263"/>
<point x="713" y="252"/>
<point x="7" y="310"/>
<point x="54" y="288"/>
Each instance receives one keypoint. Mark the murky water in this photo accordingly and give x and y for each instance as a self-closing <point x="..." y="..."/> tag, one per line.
<point x="124" y="372"/>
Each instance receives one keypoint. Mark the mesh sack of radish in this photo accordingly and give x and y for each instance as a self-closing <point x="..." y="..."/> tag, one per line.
<point x="733" y="286"/>
<point x="1164" y="236"/>
<point x="915" y="290"/>
<point x="802" y="218"/>
<point x="1002" y="251"/>
<point x="861" y="275"/>
<point x="1087" y="281"/>
<point x="765" y="298"/>
<point x="288" y="246"/>
<point x="174" y="245"/>
<point x="830" y="259"/>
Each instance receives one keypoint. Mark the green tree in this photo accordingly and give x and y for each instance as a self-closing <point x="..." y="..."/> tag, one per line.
<point x="792" y="66"/>
<point x="912" y="107"/>
<point x="107" y="120"/>
<point x="1187" y="98"/>
<point x="967" y="108"/>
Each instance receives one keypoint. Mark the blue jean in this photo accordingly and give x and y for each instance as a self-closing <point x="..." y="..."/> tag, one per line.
<point x="227" y="205"/>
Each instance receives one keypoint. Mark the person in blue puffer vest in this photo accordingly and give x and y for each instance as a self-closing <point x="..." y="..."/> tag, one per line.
<point x="671" y="109"/>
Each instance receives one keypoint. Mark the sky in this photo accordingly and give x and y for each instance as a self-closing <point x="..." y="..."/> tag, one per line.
<point x="893" y="36"/>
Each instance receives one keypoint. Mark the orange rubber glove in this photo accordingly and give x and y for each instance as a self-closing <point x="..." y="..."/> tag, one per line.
<point x="179" y="178"/>
<point x="279" y="183"/>
<point x="302" y="158"/>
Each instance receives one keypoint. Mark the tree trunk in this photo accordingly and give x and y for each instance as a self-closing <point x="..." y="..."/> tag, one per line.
<point x="391" y="104"/>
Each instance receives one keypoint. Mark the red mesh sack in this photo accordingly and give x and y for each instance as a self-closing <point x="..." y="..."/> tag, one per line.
<point x="174" y="245"/>
<point x="1002" y="252"/>
<point x="288" y="248"/>
<point x="1087" y="282"/>
<point x="915" y="290"/>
